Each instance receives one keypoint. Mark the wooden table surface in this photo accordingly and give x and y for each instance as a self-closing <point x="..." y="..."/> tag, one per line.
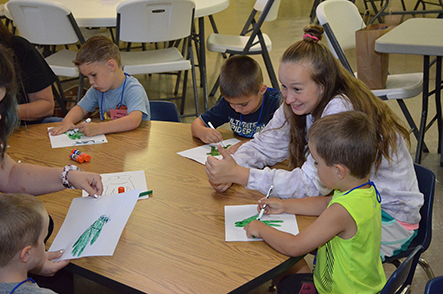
<point x="174" y="242"/>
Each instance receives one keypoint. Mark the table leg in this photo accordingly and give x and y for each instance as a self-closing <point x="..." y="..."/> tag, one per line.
<point x="424" y="111"/>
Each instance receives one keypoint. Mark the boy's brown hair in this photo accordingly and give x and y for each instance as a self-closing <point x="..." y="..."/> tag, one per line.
<point x="348" y="138"/>
<point x="98" y="49"/>
<point x="21" y="224"/>
<point x="240" y="76"/>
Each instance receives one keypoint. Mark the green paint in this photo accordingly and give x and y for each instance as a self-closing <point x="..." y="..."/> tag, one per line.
<point x="271" y="223"/>
<point x="214" y="150"/>
<point x="91" y="233"/>
<point x="74" y="135"/>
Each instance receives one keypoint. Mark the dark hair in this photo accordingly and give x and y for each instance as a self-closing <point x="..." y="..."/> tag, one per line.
<point x="8" y="106"/>
<point x="240" y="76"/>
<point x="329" y="74"/>
<point x="348" y="138"/>
<point x="21" y="223"/>
<point x="98" y="49"/>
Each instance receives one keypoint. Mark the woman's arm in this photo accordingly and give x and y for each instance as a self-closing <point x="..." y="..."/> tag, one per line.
<point x="41" y="105"/>
<point x="37" y="180"/>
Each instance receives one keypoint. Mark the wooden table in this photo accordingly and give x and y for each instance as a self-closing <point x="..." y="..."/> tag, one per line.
<point x="420" y="36"/>
<point x="174" y="242"/>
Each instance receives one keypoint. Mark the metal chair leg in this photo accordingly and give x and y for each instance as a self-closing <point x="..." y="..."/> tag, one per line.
<point x="426" y="267"/>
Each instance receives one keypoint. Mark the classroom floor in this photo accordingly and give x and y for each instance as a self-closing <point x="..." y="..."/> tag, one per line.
<point x="288" y="28"/>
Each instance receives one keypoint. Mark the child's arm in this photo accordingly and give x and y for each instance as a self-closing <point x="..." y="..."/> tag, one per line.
<point x="74" y="115"/>
<point x="201" y="131"/>
<point x="335" y="220"/>
<point x="312" y="206"/>
<point x="122" y="124"/>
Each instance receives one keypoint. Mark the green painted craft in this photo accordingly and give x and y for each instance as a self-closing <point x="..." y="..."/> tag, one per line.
<point x="214" y="150"/>
<point x="271" y="223"/>
<point x="91" y="234"/>
<point x="74" y="135"/>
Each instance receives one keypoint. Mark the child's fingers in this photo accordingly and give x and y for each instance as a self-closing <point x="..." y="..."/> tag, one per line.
<point x="223" y="152"/>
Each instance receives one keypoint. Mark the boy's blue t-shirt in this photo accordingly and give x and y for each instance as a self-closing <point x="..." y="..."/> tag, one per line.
<point x="134" y="98"/>
<point x="244" y="125"/>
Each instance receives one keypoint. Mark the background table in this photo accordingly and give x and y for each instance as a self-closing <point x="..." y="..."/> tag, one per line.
<point x="420" y="36"/>
<point x="174" y="242"/>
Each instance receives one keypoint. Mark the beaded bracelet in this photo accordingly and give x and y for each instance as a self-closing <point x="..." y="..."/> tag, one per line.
<point x="64" y="176"/>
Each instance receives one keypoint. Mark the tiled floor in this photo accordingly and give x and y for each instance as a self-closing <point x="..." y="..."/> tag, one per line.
<point x="284" y="31"/>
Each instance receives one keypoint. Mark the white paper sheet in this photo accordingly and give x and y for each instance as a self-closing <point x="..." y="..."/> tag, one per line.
<point x="88" y="218"/>
<point x="235" y="213"/>
<point x="129" y="180"/>
<point x="64" y="141"/>
<point x="199" y="154"/>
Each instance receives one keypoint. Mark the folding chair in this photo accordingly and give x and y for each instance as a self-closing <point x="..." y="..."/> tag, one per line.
<point x="400" y="281"/>
<point x="255" y="43"/>
<point x="50" y="23"/>
<point x="426" y="185"/>
<point x="340" y="20"/>
<point x="434" y="286"/>
<point x="146" y="21"/>
<point x="164" y="111"/>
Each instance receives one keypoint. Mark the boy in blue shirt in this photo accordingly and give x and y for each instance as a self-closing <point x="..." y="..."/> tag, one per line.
<point x="121" y="99"/>
<point x="247" y="104"/>
<point x="23" y="228"/>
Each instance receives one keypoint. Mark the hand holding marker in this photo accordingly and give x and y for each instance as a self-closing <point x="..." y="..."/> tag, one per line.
<point x="264" y="206"/>
<point x="212" y="127"/>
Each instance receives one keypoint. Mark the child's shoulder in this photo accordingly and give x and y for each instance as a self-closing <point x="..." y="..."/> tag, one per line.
<point x="25" y="288"/>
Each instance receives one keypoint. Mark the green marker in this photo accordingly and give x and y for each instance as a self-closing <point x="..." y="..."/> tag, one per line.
<point x="145" y="193"/>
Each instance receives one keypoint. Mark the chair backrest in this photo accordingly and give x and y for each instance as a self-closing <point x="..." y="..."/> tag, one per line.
<point x="340" y="19"/>
<point x="400" y="279"/>
<point x="434" y="286"/>
<point x="154" y="21"/>
<point x="164" y="111"/>
<point x="260" y="5"/>
<point x="44" y="22"/>
<point x="426" y="185"/>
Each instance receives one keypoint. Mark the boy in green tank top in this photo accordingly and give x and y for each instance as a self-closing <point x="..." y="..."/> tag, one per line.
<point x="347" y="231"/>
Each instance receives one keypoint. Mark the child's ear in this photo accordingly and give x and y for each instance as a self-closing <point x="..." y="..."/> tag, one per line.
<point x="112" y="65"/>
<point x="341" y="171"/>
<point x="263" y="89"/>
<point x="25" y="254"/>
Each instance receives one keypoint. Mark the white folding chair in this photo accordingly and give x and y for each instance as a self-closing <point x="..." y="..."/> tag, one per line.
<point x="146" y="21"/>
<point x="341" y="19"/>
<point x="254" y="43"/>
<point x="44" y="22"/>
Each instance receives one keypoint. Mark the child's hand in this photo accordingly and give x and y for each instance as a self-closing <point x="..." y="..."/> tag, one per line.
<point x="48" y="267"/>
<point x="223" y="170"/>
<point x="89" y="129"/>
<point x="253" y="229"/>
<point x="221" y="187"/>
<point x="63" y="127"/>
<point x="208" y="135"/>
<point x="234" y="147"/>
<point x="273" y="205"/>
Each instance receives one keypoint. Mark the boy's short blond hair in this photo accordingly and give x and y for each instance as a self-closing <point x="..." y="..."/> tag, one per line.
<point x="240" y="76"/>
<point x="348" y="138"/>
<point x="98" y="49"/>
<point x="21" y="224"/>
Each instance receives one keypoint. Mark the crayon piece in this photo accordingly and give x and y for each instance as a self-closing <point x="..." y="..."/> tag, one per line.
<point x="145" y="193"/>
